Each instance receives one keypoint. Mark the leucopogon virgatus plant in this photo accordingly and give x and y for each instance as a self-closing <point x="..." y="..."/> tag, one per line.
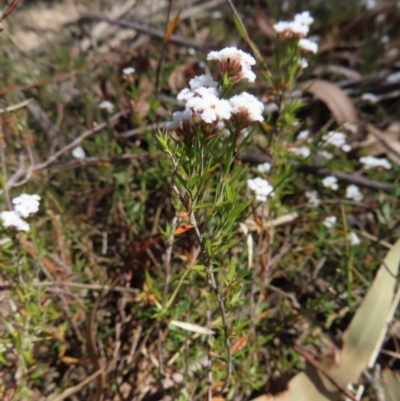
<point x="203" y="141"/>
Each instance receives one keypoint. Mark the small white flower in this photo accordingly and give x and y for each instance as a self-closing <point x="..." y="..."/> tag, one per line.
<point x="329" y="221"/>
<point x="353" y="128"/>
<point x="216" y="14"/>
<point x="232" y="53"/>
<point x="353" y="238"/>
<point x="371" y="162"/>
<point x="185" y="94"/>
<point x="325" y="155"/>
<point x="249" y="104"/>
<point x="393" y="78"/>
<point x="26" y="205"/>
<point x="304" y="18"/>
<point x="191" y="51"/>
<point x="78" y="152"/>
<point x="239" y="65"/>
<point x="209" y="107"/>
<point x="354" y="193"/>
<point x="312" y="198"/>
<point x="303" y="135"/>
<point x="335" y="138"/>
<point x="128" y="71"/>
<point x="264" y="167"/>
<point x="247" y="73"/>
<point x="291" y="27"/>
<point x="303" y="63"/>
<point x="178" y="117"/>
<point x="106" y="105"/>
<point x="13" y="219"/>
<point x="308" y="45"/>
<point x="302" y="151"/>
<point x="331" y="182"/>
<point x="202" y="80"/>
<point x="369" y="97"/>
<point x="261" y="188"/>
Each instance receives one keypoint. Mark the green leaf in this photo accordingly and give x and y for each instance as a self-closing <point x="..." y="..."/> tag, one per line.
<point x="203" y="206"/>
<point x="162" y="143"/>
<point x="238" y="209"/>
<point x="199" y="268"/>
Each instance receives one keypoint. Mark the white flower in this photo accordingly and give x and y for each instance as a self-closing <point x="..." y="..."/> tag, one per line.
<point x="326" y="155"/>
<point x="261" y="188"/>
<point x="353" y="238"/>
<point x="353" y="128"/>
<point x="393" y="78"/>
<point x="232" y="53"/>
<point x="330" y="182"/>
<point x="248" y="104"/>
<point x="353" y="192"/>
<point x="178" y="117"/>
<point x="78" y="152"/>
<point x="330" y="221"/>
<point x="26" y="205"/>
<point x="304" y="18"/>
<point x="301" y="151"/>
<point x="312" y="197"/>
<point x="291" y="27"/>
<point x="216" y="14"/>
<point x="247" y="73"/>
<point x="128" y="71"/>
<point x="303" y="63"/>
<point x="303" y="135"/>
<point x="308" y="45"/>
<point x="369" y="97"/>
<point x="371" y="162"/>
<point x="208" y="106"/>
<point x="106" y="105"/>
<point x="337" y="139"/>
<point x="13" y="219"/>
<point x="191" y="51"/>
<point x="264" y="167"/>
<point x="202" y="80"/>
<point x="186" y="94"/>
<point x="238" y="66"/>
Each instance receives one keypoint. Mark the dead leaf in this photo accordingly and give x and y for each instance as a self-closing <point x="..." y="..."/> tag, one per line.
<point x="264" y="25"/>
<point x="382" y="142"/>
<point x="170" y="29"/>
<point x="391" y="385"/>
<point x="183" y="228"/>
<point x="335" y="98"/>
<point x="359" y="341"/>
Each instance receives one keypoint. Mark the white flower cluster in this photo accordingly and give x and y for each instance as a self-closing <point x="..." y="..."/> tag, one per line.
<point x="261" y="188"/>
<point x="354" y="193"/>
<point x="312" y="198"/>
<point x="331" y="182"/>
<point x="235" y="63"/>
<point x="202" y="99"/>
<point x="353" y="238"/>
<point x="337" y="139"/>
<point x="106" y="105"/>
<point x="24" y="206"/>
<point x="372" y="162"/>
<point x="78" y="153"/>
<point x="329" y="221"/>
<point x="298" y="28"/>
